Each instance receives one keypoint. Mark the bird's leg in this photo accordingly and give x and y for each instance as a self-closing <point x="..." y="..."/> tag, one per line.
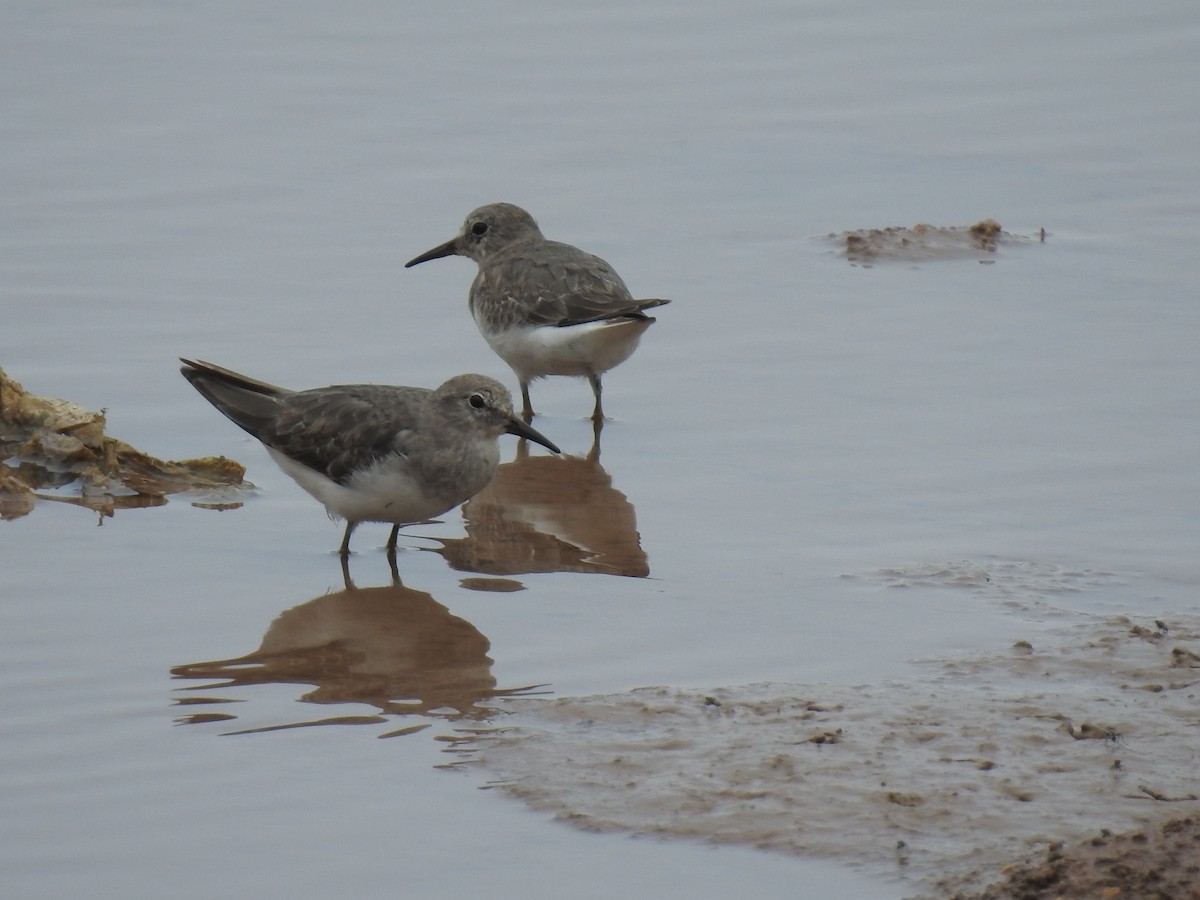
<point x="527" y="406"/>
<point x="598" y="412"/>
<point x="344" y="550"/>
<point x="395" y="570"/>
<point x="391" y="543"/>
<point x="594" y="453"/>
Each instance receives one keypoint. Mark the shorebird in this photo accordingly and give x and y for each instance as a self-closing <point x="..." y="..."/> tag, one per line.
<point x="373" y="452"/>
<point x="545" y="307"/>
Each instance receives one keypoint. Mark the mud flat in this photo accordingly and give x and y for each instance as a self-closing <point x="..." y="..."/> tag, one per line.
<point x="1062" y="758"/>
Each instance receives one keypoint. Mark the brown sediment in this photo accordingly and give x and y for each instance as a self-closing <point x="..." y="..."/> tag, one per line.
<point x="928" y="243"/>
<point x="49" y="443"/>
<point x="1161" y="862"/>
<point x="976" y="762"/>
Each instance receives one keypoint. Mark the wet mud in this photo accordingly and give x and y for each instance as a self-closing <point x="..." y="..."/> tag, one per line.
<point x="1041" y="761"/>
<point x="1157" y="863"/>
<point x="929" y="243"/>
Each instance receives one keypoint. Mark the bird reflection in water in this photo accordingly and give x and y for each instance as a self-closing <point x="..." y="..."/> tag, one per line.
<point x="549" y="514"/>
<point x="392" y="647"/>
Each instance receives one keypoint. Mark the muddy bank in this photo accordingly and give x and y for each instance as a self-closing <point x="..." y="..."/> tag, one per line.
<point x="941" y="781"/>
<point x="1156" y="863"/>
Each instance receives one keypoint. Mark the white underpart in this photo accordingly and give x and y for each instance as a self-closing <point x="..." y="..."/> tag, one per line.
<point x="386" y="492"/>
<point x="588" y="349"/>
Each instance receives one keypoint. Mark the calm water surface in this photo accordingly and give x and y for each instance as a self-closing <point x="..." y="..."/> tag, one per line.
<point x="244" y="184"/>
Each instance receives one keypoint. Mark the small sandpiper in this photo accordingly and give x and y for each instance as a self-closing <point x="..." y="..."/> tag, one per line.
<point x="546" y="308"/>
<point x="373" y="452"/>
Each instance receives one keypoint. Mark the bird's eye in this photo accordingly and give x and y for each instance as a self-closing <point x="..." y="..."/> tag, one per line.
<point x="479" y="228"/>
<point x="477" y="401"/>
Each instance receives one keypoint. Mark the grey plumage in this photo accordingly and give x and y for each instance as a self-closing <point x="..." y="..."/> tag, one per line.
<point x="370" y="452"/>
<point x="545" y="307"/>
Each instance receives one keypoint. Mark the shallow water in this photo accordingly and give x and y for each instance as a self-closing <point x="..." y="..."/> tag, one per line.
<point x="796" y="437"/>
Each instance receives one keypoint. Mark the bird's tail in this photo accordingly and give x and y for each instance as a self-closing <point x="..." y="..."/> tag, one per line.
<point x="644" y="305"/>
<point x="246" y="402"/>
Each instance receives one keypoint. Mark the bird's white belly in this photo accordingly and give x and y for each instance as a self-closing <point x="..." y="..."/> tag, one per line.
<point x="588" y="349"/>
<point x="383" y="493"/>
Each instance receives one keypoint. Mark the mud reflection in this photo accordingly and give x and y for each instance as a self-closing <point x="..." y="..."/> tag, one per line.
<point x="390" y="647"/>
<point x="549" y="514"/>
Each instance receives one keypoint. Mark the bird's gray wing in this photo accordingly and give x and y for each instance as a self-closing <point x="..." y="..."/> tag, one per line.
<point x="552" y="284"/>
<point x="338" y="430"/>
